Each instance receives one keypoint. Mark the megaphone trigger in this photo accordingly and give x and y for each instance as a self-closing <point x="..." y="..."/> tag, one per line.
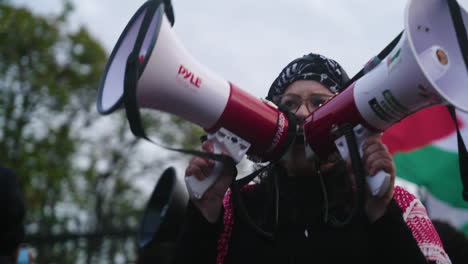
<point x="223" y="141"/>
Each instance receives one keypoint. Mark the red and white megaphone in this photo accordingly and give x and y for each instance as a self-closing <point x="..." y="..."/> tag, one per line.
<point x="171" y="80"/>
<point x="425" y="68"/>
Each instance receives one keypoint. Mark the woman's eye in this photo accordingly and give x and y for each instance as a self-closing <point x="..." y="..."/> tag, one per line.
<point x="290" y="103"/>
<point x="317" y="102"/>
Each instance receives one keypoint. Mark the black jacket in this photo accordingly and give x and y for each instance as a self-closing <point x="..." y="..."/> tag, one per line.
<point x="388" y="240"/>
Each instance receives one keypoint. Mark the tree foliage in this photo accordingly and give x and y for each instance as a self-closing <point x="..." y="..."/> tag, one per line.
<point x="77" y="169"/>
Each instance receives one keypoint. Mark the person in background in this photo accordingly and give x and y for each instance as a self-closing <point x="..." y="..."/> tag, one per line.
<point x="312" y="219"/>
<point x="12" y="208"/>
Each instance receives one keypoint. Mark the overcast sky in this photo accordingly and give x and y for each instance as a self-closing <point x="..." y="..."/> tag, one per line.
<point x="248" y="42"/>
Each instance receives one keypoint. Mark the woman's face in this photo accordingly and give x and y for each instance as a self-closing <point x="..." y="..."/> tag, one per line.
<point x="302" y="98"/>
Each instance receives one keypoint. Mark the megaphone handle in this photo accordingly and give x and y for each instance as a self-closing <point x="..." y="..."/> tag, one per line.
<point x="196" y="187"/>
<point x="378" y="183"/>
<point x="223" y="140"/>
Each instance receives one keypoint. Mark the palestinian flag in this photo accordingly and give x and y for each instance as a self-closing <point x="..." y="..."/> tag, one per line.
<point x="425" y="150"/>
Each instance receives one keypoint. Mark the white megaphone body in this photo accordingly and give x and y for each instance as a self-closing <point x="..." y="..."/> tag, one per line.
<point x="171" y="80"/>
<point x="425" y="68"/>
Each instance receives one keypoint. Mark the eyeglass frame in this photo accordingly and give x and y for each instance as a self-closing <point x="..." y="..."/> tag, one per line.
<point x="308" y="104"/>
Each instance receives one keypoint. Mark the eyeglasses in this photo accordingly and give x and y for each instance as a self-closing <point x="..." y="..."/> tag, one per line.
<point x="292" y="102"/>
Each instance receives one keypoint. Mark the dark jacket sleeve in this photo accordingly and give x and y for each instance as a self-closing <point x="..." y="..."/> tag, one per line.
<point x="392" y="240"/>
<point x="197" y="242"/>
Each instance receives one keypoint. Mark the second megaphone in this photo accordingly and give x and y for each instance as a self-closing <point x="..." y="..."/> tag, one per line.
<point x="426" y="67"/>
<point x="171" y="80"/>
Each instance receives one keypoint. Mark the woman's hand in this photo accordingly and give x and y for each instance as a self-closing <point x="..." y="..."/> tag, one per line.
<point x="211" y="201"/>
<point x="377" y="157"/>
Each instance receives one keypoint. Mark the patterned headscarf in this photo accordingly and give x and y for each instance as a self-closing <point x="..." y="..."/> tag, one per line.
<point x="310" y="67"/>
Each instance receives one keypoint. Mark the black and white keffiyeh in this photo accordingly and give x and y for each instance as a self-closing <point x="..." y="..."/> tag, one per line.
<point x="310" y="67"/>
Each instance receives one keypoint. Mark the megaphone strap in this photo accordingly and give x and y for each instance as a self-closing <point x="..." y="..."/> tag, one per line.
<point x="460" y="29"/>
<point x="359" y="177"/>
<point x="169" y="11"/>
<point x="379" y="57"/>
<point x="132" y="74"/>
<point x="462" y="39"/>
<point x="462" y="154"/>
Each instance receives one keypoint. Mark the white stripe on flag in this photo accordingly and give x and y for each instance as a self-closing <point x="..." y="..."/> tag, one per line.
<point x="438" y="209"/>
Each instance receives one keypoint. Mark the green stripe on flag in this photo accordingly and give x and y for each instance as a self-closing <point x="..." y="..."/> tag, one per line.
<point x="435" y="169"/>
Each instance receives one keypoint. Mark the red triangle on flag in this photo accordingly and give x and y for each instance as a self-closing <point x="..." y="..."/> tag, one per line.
<point x="419" y="129"/>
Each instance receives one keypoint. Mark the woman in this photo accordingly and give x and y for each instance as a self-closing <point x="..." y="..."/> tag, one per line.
<point x="314" y="217"/>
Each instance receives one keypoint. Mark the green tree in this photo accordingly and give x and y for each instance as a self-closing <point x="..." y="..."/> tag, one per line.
<point x="77" y="169"/>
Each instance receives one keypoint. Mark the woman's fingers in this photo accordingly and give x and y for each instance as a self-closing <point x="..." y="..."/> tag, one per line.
<point x="374" y="144"/>
<point x="383" y="163"/>
<point x="201" y="167"/>
<point x="207" y="146"/>
<point x="376" y="156"/>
